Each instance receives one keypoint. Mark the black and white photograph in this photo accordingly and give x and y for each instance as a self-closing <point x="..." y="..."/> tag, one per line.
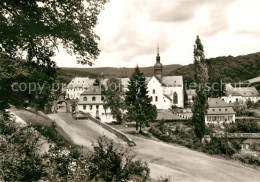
<point x="129" y="90"/>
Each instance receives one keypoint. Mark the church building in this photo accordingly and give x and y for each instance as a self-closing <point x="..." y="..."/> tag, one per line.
<point x="166" y="91"/>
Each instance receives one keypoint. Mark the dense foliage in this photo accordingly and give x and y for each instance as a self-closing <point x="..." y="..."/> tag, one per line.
<point x="184" y="135"/>
<point x="228" y="69"/>
<point x="137" y="101"/>
<point x="39" y="27"/>
<point x="108" y="163"/>
<point x="244" y="126"/>
<point x="27" y="155"/>
<point x="25" y="83"/>
<point x="114" y="98"/>
<point x="200" y="104"/>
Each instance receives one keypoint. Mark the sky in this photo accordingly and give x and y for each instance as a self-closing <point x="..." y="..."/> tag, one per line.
<point x="130" y="31"/>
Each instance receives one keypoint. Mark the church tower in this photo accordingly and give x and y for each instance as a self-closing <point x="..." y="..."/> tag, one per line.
<point x="158" y="67"/>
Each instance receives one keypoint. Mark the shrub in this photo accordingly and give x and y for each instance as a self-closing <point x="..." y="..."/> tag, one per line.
<point x="219" y="146"/>
<point x="244" y="126"/>
<point x="248" y="159"/>
<point x="108" y="163"/>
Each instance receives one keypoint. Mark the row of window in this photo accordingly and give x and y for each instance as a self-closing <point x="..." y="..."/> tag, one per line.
<point x="220" y="118"/>
<point x="93" y="98"/>
<point x="90" y="107"/>
<point x="219" y="109"/>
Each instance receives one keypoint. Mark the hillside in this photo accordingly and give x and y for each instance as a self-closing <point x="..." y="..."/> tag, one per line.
<point x="67" y="74"/>
<point x="229" y="69"/>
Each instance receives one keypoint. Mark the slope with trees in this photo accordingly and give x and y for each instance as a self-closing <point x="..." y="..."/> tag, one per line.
<point x="228" y="69"/>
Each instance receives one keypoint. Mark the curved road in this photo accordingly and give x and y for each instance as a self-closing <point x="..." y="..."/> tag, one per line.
<point x="176" y="162"/>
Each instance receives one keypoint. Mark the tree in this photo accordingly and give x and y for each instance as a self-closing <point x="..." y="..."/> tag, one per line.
<point x="108" y="163"/>
<point x="138" y="103"/>
<point x="33" y="30"/>
<point x="114" y="98"/>
<point x="201" y="101"/>
<point x="39" y="27"/>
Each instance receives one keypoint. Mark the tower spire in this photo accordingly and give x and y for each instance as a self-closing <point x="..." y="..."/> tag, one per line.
<point x="158" y="49"/>
<point x="158" y="54"/>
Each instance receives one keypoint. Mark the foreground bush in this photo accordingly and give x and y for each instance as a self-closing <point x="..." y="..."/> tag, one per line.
<point x="23" y="158"/>
<point x="108" y="163"/>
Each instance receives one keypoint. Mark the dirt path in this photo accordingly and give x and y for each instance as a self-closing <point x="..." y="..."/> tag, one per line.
<point x="176" y="162"/>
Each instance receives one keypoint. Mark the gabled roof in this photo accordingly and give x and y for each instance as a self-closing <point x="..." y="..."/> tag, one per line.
<point x="171" y="81"/>
<point x="217" y="102"/>
<point x="81" y="82"/>
<point x="218" y="107"/>
<point x="94" y="90"/>
<point x="220" y="111"/>
<point x="247" y="91"/>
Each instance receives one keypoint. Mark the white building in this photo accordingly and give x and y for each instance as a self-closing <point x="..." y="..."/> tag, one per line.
<point x="91" y="101"/>
<point x="166" y="91"/>
<point x="219" y="112"/>
<point x="240" y="94"/>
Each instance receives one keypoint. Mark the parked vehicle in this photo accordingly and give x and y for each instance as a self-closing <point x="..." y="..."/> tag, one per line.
<point x="80" y="115"/>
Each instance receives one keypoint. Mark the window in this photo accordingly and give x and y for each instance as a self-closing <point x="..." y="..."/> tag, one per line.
<point x="175" y="98"/>
<point x="213" y="109"/>
<point x="156" y="98"/>
<point x="153" y="91"/>
<point x="90" y="107"/>
<point x="97" y="106"/>
<point x="102" y="98"/>
<point x="93" y="98"/>
<point x="219" y="109"/>
<point x="85" y="98"/>
<point x="84" y="107"/>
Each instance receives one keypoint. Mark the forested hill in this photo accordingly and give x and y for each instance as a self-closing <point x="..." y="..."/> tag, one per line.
<point x="67" y="74"/>
<point x="229" y="69"/>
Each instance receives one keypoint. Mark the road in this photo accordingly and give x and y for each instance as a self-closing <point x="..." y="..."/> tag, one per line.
<point x="176" y="162"/>
<point x="83" y="132"/>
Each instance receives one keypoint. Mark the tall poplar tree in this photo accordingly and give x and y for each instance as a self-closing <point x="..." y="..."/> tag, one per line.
<point x="138" y="103"/>
<point x="201" y="101"/>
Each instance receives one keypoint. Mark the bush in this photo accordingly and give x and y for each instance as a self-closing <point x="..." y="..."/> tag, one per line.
<point x="248" y="159"/>
<point x="219" y="146"/>
<point x="110" y="164"/>
<point x="244" y="126"/>
<point x="22" y="159"/>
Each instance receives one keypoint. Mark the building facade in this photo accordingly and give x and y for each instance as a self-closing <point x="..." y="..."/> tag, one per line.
<point x="166" y="91"/>
<point x="92" y="101"/>
<point x="240" y="94"/>
<point x="219" y="112"/>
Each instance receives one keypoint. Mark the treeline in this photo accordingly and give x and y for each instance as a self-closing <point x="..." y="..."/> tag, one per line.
<point x="228" y="69"/>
